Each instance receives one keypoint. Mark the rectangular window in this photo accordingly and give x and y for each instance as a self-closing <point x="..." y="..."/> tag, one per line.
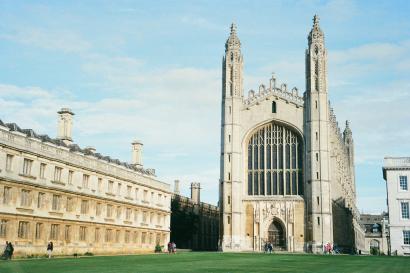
<point x="406" y="237"/>
<point x="403" y="182"/>
<point x="136" y="216"/>
<point x="129" y="188"/>
<point x="318" y="221"/>
<point x="3" y="228"/>
<point x="56" y="202"/>
<point x="6" y="195"/>
<point x="69" y="205"/>
<point x="136" y="193"/>
<point x="42" y="170"/>
<point x="405" y="210"/>
<point x="229" y="199"/>
<point x="134" y="237"/>
<point x="119" y="189"/>
<point x="85" y="181"/>
<point x="23" y="230"/>
<point x="57" y="174"/>
<point x="109" y="211"/>
<point x="117" y="236"/>
<point x="118" y="212"/>
<point x="25" y="198"/>
<point x="27" y="163"/>
<point x="54" y="231"/>
<point x="229" y="220"/>
<point x="98" y="209"/>
<point x="84" y="206"/>
<point x="108" y="235"/>
<point x="83" y="233"/>
<point x="70" y="177"/>
<point x="110" y="186"/>
<point x="145" y="195"/>
<point x="99" y="184"/>
<point x="97" y="235"/>
<point x="144" y="217"/>
<point x="143" y="237"/>
<point x="67" y="234"/>
<point x="127" y="237"/>
<point x="39" y="230"/>
<point x="128" y="214"/>
<point x="9" y="162"/>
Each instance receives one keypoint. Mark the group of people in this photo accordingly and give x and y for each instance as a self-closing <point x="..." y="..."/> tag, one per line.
<point x="8" y="251"/>
<point x="268" y="247"/>
<point x="172" y="248"/>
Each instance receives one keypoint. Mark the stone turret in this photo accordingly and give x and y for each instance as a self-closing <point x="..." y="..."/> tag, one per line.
<point x="316" y="130"/>
<point x="137" y="153"/>
<point x="196" y="193"/>
<point x="231" y="149"/>
<point x="65" y="125"/>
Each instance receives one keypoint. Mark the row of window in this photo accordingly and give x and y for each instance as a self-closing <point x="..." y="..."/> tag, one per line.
<point x="58" y="203"/>
<point x="84" y="233"/>
<point x="161" y="199"/>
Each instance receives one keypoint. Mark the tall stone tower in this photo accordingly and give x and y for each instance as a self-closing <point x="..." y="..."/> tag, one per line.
<point x="230" y="193"/>
<point x="319" y="226"/>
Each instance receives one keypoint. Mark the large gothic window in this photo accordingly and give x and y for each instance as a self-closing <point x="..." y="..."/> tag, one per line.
<point x="275" y="161"/>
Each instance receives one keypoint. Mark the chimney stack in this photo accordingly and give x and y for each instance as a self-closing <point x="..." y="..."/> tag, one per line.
<point x="65" y="124"/>
<point x="195" y="192"/>
<point x="176" y="187"/>
<point x="137" y="153"/>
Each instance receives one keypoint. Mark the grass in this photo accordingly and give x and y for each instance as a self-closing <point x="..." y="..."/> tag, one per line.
<point x="211" y="262"/>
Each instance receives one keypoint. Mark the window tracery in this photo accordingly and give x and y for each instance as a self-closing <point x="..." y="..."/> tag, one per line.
<point x="274" y="161"/>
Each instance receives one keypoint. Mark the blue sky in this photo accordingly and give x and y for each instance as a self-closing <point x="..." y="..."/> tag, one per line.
<point x="151" y="70"/>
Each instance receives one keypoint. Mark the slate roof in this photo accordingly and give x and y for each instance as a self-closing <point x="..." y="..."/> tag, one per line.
<point x="73" y="147"/>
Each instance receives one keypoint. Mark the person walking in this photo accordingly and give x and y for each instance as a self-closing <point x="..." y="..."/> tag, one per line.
<point x="10" y="250"/>
<point x="174" y="247"/>
<point x="169" y="247"/>
<point x="5" y="251"/>
<point x="50" y="249"/>
<point x="270" y="247"/>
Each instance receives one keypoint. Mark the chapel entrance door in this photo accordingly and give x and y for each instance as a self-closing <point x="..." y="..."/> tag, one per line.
<point x="276" y="235"/>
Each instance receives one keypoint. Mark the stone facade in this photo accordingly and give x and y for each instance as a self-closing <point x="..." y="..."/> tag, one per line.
<point x="396" y="173"/>
<point x="52" y="190"/>
<point x="194" y="224"/>
<point x="376" y="233"/>
<point x="287" y="171"/>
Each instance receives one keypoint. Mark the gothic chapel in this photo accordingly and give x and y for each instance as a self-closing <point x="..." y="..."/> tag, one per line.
<point x="287" y="171"/>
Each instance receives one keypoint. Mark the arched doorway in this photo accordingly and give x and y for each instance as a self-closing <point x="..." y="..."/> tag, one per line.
<point x="276" y="235"/>
<point x="374" y="247"/>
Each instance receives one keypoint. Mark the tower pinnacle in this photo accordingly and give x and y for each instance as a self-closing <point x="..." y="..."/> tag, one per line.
<point x="316" y="34"/>
<point x="233" y="42"/>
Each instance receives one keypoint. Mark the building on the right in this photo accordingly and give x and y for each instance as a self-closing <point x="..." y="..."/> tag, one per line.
<point x="396" y="172"/>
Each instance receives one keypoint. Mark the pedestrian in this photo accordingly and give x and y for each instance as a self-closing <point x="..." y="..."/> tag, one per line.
<point x="265" y="248"/>
<point x="169" y="247"/>
<point x="4" y="255"/>
<point x="49" y="249"/>
<point x="174" y="247"/>
<point x="270" y="247"/>
<point x="11" y="250"/>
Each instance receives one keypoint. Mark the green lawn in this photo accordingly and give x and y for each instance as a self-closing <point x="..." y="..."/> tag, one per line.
<point x="211" y="262"/>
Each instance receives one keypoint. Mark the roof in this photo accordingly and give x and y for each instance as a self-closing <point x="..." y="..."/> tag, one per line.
<point x="73" y="147"/>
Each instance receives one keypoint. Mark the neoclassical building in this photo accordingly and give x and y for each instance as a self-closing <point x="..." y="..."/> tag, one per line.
<point x="287" y="171"/>
<point x="52" y="190"/>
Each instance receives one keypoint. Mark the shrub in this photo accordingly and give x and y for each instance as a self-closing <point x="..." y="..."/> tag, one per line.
<point x="158" y="249"/>
<point x="88" y="254"/>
